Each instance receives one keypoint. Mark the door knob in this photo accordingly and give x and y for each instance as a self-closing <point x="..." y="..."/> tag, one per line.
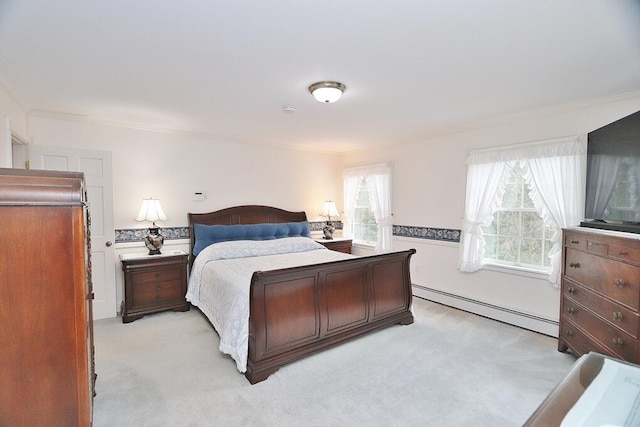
<point x="108" y="243"/>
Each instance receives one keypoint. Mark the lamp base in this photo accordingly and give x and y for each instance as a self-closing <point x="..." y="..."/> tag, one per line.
<point x="154" y="241"/>
<point x="328" y="230"/>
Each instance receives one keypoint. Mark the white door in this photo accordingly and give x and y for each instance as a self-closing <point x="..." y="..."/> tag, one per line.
<point x="96" y="166"/>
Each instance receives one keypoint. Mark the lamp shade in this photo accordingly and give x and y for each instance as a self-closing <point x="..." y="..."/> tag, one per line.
<point x="329" y="209"/>
<point x="151" y="211"/>
<point x="327" y="92"/>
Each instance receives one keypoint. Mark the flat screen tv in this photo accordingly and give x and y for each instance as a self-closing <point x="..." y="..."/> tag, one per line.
<point x="613" y="176"/>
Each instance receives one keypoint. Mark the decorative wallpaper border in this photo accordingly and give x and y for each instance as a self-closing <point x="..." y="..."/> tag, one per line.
<point x="443" y="234"/>
<point x="128" y="235"/>
<point x="317" y="225"/>
<point x="139" y="234"/>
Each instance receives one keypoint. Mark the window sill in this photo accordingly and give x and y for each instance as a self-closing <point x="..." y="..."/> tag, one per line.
<point x="364" y="245"/>
<point x="516" y="270"/>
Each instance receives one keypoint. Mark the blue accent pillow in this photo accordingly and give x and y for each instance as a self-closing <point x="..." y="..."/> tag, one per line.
<point x="206" y="235"/>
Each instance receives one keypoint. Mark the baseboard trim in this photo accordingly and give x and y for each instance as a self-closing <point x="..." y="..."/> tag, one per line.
<point x="501" y="314"/>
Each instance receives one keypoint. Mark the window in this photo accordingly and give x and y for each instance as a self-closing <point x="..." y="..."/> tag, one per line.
<point x="517" y="235"/>
<point x="367" y="203"/>
<point x="364" y="227"/>
<point x="518" y="198"/>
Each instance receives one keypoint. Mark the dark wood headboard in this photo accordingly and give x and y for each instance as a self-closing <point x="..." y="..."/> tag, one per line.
<point x="247" y="214"/>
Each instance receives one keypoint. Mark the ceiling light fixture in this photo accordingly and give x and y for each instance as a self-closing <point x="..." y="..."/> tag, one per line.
<point x="327" y="92"/>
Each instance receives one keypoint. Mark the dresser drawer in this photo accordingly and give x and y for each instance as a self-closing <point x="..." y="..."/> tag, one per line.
<point x="617" y="280"/>
<point x="157" y="293"/>
<point x="624" y="253"/>
<point x="152" y="276"/>
<point x="619" y="316"/>
<point x="597" y="247"/>
<point x="575" y="240"/>
<point x="616" y="341"/>
<point x="578" y="340"/>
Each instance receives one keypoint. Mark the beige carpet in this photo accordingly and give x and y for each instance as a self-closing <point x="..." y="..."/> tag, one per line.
<point x="449" y="368"/>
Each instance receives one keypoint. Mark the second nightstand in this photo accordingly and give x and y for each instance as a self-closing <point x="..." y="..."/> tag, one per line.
<point x="338" y="244"/>
<point x="154" y="283"/>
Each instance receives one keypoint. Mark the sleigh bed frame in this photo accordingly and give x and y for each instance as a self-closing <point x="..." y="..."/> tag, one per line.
<point x="299" y="311"/>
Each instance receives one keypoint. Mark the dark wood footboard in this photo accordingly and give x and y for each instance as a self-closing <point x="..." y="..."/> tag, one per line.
<point x="299" y="311"/>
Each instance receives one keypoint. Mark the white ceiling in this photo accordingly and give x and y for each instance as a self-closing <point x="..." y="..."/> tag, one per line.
<point x="413" y="69"/>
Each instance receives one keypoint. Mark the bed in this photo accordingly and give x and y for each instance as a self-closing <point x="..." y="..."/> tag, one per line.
<point x="285" y="306"/>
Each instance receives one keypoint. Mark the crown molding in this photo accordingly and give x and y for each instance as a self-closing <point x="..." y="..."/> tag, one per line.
<point x="505" y="120"/>
<point x="83" y="118"/>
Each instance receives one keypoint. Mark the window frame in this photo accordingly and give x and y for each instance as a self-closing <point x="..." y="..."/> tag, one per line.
<point x="380" y="177"/>
<point x="522" y="192"/>
<point x="356" y="207"/>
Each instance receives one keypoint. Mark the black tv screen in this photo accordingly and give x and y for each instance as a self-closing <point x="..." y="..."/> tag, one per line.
<point x="613" y="176"/>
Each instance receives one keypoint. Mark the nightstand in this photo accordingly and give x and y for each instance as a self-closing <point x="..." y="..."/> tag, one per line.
<point x="154" y="283"/>
<point x="338" y="244"/>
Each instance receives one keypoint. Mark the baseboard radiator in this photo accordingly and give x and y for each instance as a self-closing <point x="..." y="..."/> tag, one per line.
<point x="501" y="314"/>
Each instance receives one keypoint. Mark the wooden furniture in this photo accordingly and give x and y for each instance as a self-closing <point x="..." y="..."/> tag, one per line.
<point x="154" y="283"/>
<point x="299" y="311"/>
<point x="46" y="329"/>
<point x="337" y="244"/>
<point x="566" y="394"/>
<point x="600" y="293"/>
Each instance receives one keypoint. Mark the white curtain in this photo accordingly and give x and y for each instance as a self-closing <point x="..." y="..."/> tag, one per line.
<point x="485" y="187"/>
<point x="553" y="169"/>
<point x="380" y="186"/>
<point x="554" y="175"/>
<point x="380" y="183"/>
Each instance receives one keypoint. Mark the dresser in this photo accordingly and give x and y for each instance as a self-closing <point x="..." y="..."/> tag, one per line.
<point x="599" y="309"/>
<point x="154" y="283"/>
<point x="46" y="330"/>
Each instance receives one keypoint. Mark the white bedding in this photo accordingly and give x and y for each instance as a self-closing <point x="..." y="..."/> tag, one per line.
<point x="221" y="277"/>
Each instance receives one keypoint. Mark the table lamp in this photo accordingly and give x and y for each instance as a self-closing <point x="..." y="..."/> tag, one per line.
<point x="152" y="211"/>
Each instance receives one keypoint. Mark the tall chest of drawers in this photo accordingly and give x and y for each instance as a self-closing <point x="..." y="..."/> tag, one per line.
<point x="599" y="309"/>
<point x="46" y="327"/>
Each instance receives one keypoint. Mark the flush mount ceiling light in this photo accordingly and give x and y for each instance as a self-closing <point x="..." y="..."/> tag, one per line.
<point x="327" y="92"/>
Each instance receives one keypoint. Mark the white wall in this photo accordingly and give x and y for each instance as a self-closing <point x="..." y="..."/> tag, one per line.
<point x="171" y="167"/>
<point x="429" y="180"/>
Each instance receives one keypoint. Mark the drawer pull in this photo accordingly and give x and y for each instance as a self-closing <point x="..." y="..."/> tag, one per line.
<point x="574" y="264"/>
<point x="617" y="316"/>
<point x="619" y="282"/>
<point x="575" y="242"/>
<point x="617" y="342"/>
<point x="569" y="333"/>
<point x="622" y="253"/>
<point x="571" y="310"/>
<point x="571" y="290"/>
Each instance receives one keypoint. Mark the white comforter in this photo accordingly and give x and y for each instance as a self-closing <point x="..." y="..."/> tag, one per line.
<point x="221" y="277"/>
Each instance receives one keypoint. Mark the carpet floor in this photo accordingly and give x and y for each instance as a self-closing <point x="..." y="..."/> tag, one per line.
<point x="449" y="368"/>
